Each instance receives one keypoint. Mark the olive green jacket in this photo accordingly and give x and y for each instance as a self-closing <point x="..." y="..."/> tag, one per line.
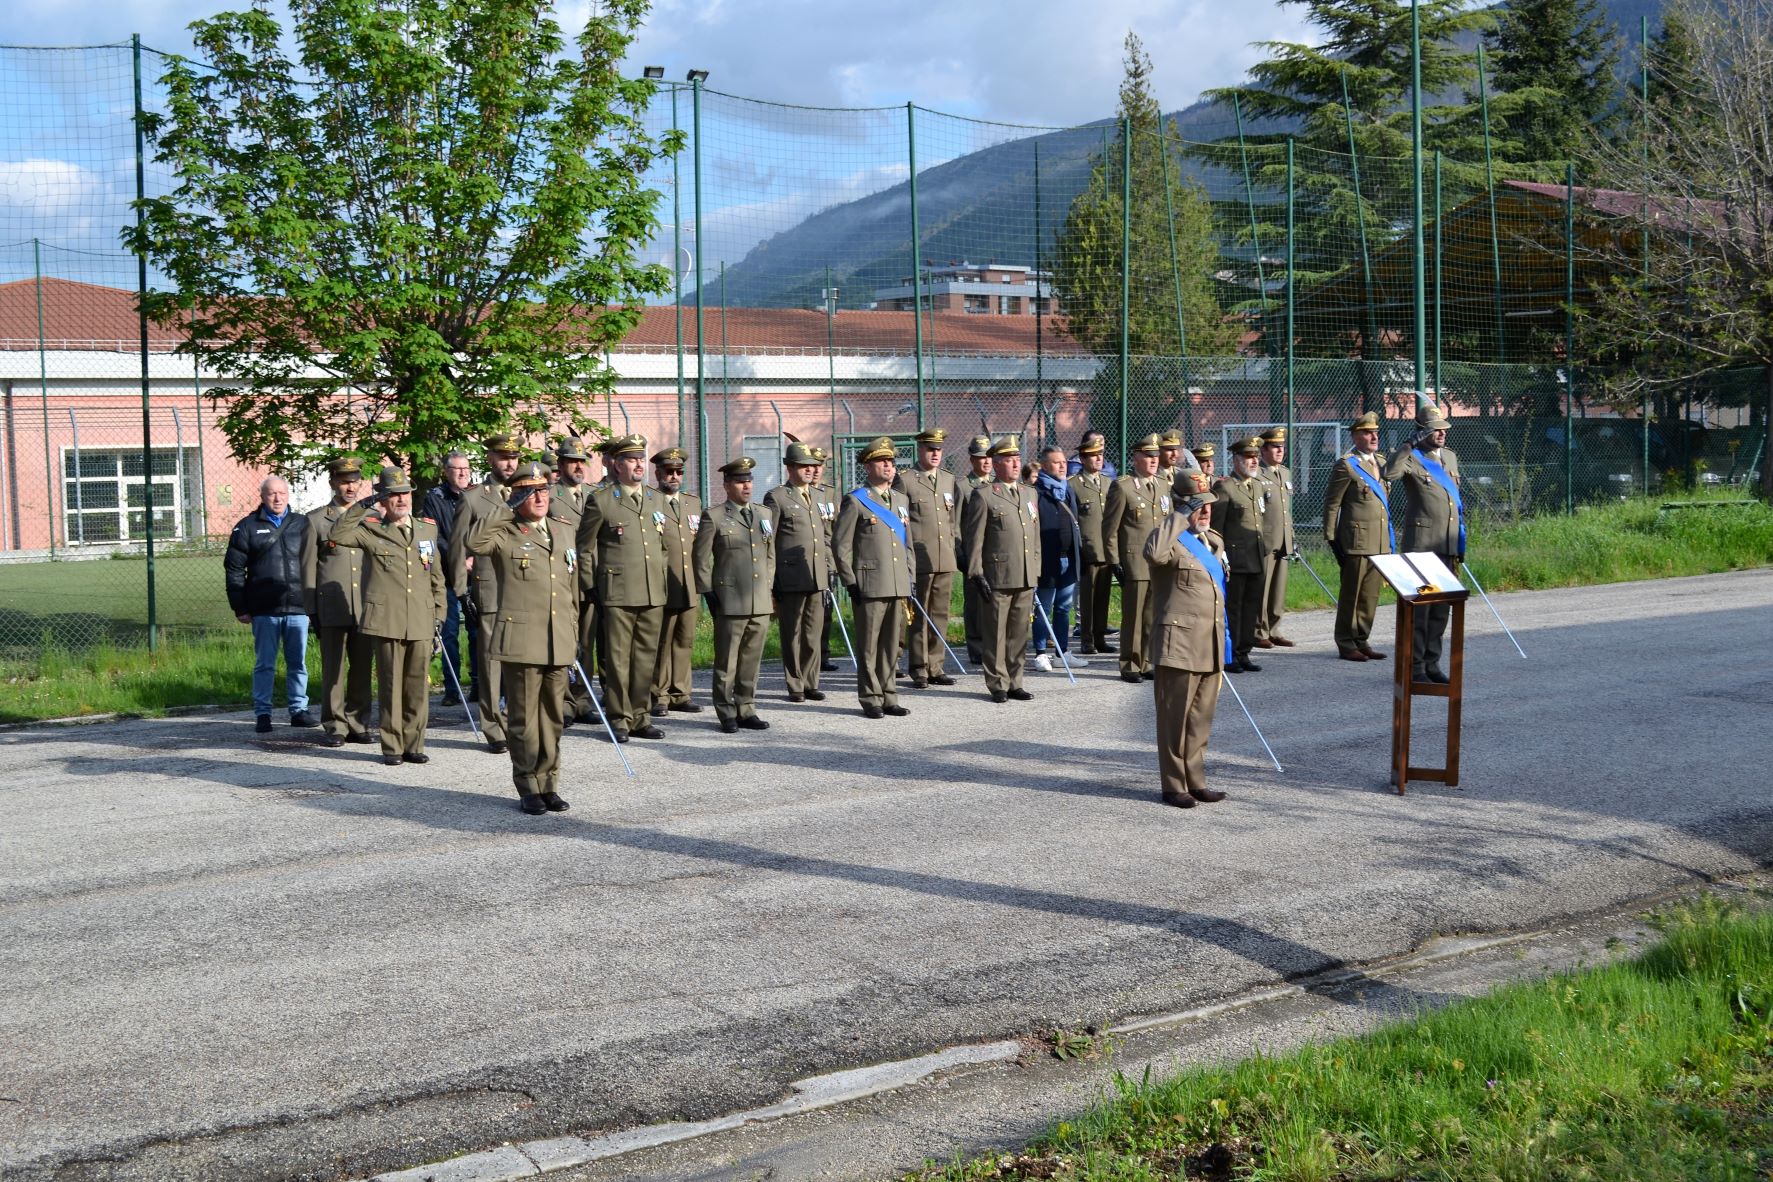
<point x="1238" y="514"/>
<point x="476" y="503"/>
<point x="1277" y="521"/>
<point x="1431" y="520"/>
<point x="681" y="523"/>
<point x="1092" y="511"/>
<point x="803" y="540"/>
<point x="934" y="498"/>
<point x="536" y="566"/>
<point x="1187" y="610"/>
<point x="1135" y="505"/>
<point x="1355" y="518"/>
<point x="332" y="575"/>
<point x="621" y="548"/>
<point x="1001" y="523"/>
<point x="867" y="553"/>
<point x="736" y="563"/>
<point x="403" y="595"/>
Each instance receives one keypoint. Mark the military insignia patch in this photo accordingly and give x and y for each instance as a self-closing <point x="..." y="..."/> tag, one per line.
<point x="764" y="523"/>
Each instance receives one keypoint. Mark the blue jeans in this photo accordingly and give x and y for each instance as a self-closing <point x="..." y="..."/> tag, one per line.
<point x="1057" y="601"/>
<point x="452" y="643"/>
<point x="269" y="634"/>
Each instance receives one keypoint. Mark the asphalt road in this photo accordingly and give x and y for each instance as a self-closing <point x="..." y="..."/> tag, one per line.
<point x="229" y="956"/>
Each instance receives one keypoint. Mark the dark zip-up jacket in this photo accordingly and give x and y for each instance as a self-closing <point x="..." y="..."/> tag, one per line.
<point x="264" y="565"/>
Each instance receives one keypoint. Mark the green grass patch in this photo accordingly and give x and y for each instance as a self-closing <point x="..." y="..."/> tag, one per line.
<point x="1659" y="1069"/>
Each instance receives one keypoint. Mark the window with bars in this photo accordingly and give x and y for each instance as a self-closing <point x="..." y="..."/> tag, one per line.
<point x="105" y="497"/>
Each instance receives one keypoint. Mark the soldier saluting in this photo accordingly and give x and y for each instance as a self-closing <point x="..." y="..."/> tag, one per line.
<point x="531" y="556"/>
<point x="403" y="608"/>
<point x="1241" y="512"/>
<point x="332" y="584"/>
<point x="476" y="588"/>
<point x="735" y="568"/>
<point x="872" y="550"/>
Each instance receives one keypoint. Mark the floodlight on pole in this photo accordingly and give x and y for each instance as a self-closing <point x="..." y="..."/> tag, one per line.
<point x="696" y="76"/>
<point x="653" y="72"/>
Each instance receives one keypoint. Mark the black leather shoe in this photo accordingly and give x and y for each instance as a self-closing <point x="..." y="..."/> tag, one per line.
<point x="497" y="746"/>
<point x="686" y="707"/>
<point x="1132" y="678"/>
<point x="1148" y="675"/>
<point x="659" y="711"/>
<point x="941" y="679"/>
<point x="815" y="695"/>
<point x="871" y="712"/>
<point x="448" y="700"/>
<point x="649" y="731"/>
<point x="303" y="720"/>
<point x="797" y="697"/>
<point x="827" y="666"/>
<point x="415" y="757"/>
<point x="894" y="711"/>
<point x="999" y="697"/>
<point x="532" y="805"/>
<point x="1372" y="654"/>
<point x="262" y="724"/>
<point x="1021" y="695"/>
<point x="1436" y="676"/>
<point x="754" y="723"/>
<point x="553" y="802"/>
<point x="359" y="737"/>
<point x="1206" y="795"/>
<point x="1249" y="666"/>
<point x="332" y="740"/>
<point x="621" y="735"/>
<point x="728" y="726"/>
<point x="1179" y="802"/>
<point x="391" y="760"/>
<point x="920" y="683"/>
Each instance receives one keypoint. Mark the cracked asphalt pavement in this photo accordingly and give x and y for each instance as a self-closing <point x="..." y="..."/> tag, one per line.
<point x="233" y="956"/>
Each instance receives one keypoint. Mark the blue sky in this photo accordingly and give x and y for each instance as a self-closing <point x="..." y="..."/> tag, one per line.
<point x="66" y="158"/>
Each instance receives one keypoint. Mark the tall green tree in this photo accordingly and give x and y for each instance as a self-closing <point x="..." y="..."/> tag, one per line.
<point x="421" y="226"/>
<point x="1088" y="262"/>
<point x="1555" y="74"/>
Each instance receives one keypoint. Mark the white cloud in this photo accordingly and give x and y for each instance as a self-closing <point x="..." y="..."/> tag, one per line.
<point x="46" y="188"/>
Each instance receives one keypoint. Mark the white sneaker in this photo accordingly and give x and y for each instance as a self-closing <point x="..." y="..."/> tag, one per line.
<point x="1076" y="661"/>
<point x="1043" y="662"/>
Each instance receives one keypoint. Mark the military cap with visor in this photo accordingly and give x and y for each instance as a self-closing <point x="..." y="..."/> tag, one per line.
<point x="934" y="436"/>
<point x="1170" y="438"/>
<point x="739" y="469"/>
<point x="392" y="480"/>
<point x="1092" y="445"/>
<point x="345" y="468"/>
<point x="627" y="445"/>
<point x="1367" y="422"/>
<point x="1205" y="451"/>
<point x="1147" y="446"/>
<point x="532" y="475"/>
<point x="980" y="445"/>
<point x="501" y="443"/>
<point x="1248" y="447"/>
<point x="880" y="449"/>
<point x="1275" y="435"/>
<point x="799" y="455"/>
<point x="1007" y="445"/>
<point x="673" y="458"/>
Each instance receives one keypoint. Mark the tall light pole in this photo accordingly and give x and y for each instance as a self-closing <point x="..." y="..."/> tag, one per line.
<point x="1419" y="276"/>
<point x="695" y="78"/>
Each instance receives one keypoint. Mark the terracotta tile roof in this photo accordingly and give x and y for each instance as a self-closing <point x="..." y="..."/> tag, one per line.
<point x="90" y="316"/>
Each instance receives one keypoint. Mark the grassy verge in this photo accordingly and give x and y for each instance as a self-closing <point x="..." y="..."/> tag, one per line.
<point x="1655" y="1070"/>
<point x="74" y="632"/>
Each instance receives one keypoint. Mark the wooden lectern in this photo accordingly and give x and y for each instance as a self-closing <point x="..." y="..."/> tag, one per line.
<point x="1410" y="576"/>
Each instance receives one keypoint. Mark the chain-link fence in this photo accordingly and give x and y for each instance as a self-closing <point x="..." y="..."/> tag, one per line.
<point x="842" y="274"/>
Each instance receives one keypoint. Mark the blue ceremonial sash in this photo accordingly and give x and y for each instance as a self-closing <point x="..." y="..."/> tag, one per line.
<point x="1378" y="491"/>
<point x="1213" y="567"/>
<point x="885" y="514"/>
<point x="1446" y="481"/>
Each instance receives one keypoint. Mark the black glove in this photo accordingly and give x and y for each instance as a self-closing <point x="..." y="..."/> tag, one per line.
<point x="1120" y="572"/>
<point x="517" y="498"/>
<point x="708" y="598"/>
<point x="437" y="637"/>
<point x="1336" y="550"/>
<point x="1420" y="438"/>
<point x="853" y="591"/>
<point x="470" y="609"/>
<point x="371" y="499"/>
<point x="982" y="583"/>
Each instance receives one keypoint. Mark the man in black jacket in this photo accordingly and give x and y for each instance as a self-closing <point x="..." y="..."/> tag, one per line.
<point x="1061" y="559"/>
<point x="264" y="567"/>
<point x="440" y="508"/>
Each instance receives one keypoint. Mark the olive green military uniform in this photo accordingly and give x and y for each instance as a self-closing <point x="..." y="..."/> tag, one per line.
<point x="566" y="505"/>
<point x="535" y="635"/>
<point x="332" y="584"/>
<point x="1431" y="525"/>
<point x="1001" y="523"/>
<point x="803" y="578"/>
<point x="735" y="565"/>
<point x="403" y="603"/>
<point x="1135" y="505"/>
<point x="480" y="589"/>
<point x="623" y="563"/>
<point x="1357" y="525"/>
<point x="1239" y="513"/>
<point x="1188" y="655"/>
<point x="677" y="633"/>
<point x="1095" y="581"/>
<point x="972" y="601"/>
<point x="871" y="559"/>
<point x="826" y="498"/>
<point x="934" y="500"/>
<point x="1277" y="533"/>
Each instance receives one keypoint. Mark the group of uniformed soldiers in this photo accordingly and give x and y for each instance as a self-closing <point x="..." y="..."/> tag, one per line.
<point x="559" y="576"/>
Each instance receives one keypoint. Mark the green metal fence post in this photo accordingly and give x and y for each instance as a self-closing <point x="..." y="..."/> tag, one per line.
<point x="1440" y="274"/>
<point x="701" y="346"/>
<point x="916" y="253"/>
<point x="1644" y="147"/>
<point x="1291" y="404"/>
<point x="726" y="390"/>
<point x="1495" y="235"/>
<point x="831" y="349"/>
<point x="1418" y="272"/>
<point x="677" y="270"/>
<point x="1569" y="336"/>
<point x="1040" y="385"/>
<point x="1126" y="274"/>
<point x="141" y="279"/>
<point x="1370" y="333"/>
<point x="43" y="389"/>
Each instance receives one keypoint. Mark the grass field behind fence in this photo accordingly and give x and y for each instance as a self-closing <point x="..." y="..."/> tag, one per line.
<point x="48" y="669"/>
<point x="1659" y="1069"/>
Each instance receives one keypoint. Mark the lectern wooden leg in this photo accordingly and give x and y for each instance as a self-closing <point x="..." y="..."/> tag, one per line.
<point x="1455" y="691"/>
<point x="1401" y="694"/>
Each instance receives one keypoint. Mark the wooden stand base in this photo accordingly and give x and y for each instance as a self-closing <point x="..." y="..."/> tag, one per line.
<point x="1404" y="691"/>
